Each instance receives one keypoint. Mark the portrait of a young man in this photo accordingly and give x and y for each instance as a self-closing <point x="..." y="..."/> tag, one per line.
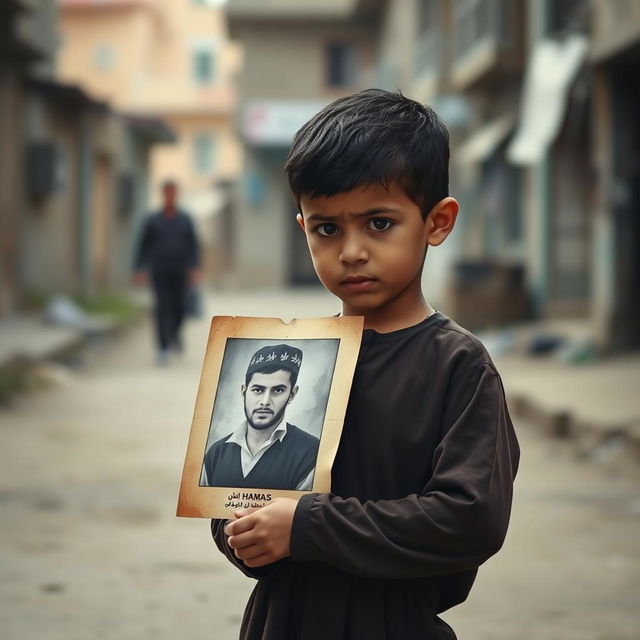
<point x="265" y="450"/>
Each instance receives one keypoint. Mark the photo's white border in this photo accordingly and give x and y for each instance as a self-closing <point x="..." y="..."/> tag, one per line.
<point x="220" y="502"/>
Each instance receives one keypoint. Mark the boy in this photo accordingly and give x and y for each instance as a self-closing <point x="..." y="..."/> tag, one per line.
<point x="422" y="481"/>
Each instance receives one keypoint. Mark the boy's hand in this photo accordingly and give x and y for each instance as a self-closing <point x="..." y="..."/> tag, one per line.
<point x="263" y="536"/>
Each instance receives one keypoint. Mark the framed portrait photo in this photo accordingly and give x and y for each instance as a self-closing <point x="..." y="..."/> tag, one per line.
<point x="269" y="412"/>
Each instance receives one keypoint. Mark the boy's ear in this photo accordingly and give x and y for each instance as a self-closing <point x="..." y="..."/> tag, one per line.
<point x="300" y="220"/>
<point x="441" y="220"/>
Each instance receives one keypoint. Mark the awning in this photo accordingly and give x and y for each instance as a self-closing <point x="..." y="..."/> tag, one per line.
<point x="67" y="94"/>
<point x="481" y="144"/>
<point x="152" y="129"/>
<point x="553" y="67"/>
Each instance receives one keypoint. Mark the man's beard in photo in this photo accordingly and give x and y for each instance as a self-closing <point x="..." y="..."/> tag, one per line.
<point x="261" y="426"/>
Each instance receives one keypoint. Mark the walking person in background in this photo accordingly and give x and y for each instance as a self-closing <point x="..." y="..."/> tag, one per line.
<point x="167" y="254"/>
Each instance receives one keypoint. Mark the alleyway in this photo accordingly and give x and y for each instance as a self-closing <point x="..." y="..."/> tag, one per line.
<point x="91" y="547"/>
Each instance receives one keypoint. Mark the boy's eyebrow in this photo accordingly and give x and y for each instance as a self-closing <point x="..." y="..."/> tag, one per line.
<point x="361" y="214"/>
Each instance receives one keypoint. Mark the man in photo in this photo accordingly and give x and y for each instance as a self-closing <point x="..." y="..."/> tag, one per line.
<point x="266" y="451"/>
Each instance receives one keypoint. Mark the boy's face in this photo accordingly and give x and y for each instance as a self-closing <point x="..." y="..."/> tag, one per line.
<point x="367" y="245"/>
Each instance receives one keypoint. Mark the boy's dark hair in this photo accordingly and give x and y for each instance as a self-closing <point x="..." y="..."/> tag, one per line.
<point x="372" y="137"/>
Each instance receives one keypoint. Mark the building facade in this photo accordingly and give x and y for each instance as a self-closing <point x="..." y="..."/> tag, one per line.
<point x="540" y="100"/>
<point x="73" y="176"/>
<point x="297" y="58"/>
<point x="172" y="60"/>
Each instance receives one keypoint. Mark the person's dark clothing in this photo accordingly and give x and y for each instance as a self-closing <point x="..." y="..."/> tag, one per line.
<point x="421" y="496"/>
<point x="170" y="292"/>
<point x="284" y="465"/>
<point x="167" y="244"/>
<point x="168" y="248"/>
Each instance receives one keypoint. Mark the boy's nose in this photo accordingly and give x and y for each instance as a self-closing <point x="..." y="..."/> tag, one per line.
<point x="353" y="250"/>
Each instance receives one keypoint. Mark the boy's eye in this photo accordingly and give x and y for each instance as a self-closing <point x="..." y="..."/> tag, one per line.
<point x="327" y="229"/>
<point x="380" y="224"/>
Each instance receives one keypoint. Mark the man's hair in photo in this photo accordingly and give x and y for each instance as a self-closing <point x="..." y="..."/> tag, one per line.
<point x="272" y="368"/>
<point x="368" y="138"/>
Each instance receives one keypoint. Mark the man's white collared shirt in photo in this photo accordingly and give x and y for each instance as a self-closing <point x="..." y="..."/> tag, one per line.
<point x="249" y="460"/>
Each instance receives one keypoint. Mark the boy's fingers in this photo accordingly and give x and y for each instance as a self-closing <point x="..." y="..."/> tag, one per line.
<point x="241" y="513"/>
<point x="239" y="526"/>
<point x="259" y="561"/>
<point x="241" y="540"/>
<point x="249" y="553"/>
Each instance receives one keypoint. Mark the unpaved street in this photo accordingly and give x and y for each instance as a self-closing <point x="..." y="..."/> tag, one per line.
<point x="90" y="546"/>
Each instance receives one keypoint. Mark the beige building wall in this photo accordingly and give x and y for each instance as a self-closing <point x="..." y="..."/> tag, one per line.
<point x="177" y="160"/>
<point x="140" y="57"/>
<point x="103" y="50"/>
<point x="172" y="60"/>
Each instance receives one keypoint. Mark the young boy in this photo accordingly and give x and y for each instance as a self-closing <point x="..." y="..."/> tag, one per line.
<point x="422" y="481"/>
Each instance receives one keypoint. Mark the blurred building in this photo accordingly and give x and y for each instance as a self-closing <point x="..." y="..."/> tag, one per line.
<point x="614" y="61"/>
<point x="298" y="56"/>
<point x="541" y="101"/>
<point x="172" y="59"/>
<point x="72" y="175"/>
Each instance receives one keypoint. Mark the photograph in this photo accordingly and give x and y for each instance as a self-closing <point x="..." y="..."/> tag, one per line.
<point x="269" y="411"/>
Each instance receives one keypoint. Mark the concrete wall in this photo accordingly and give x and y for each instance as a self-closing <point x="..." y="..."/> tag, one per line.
<point x="282" y="62"/>
<point x="177" y="161"/>
<point x="285" y="61"/>
<point x="11" y="192"/>
<point x="263" y="229"/>
<point x="49" y="256"/>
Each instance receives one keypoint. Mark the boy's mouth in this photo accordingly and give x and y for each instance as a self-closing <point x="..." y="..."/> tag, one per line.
<point x="357" y="283"/>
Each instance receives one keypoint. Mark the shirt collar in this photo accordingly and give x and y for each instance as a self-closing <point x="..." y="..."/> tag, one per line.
<point x="239" y="436"/>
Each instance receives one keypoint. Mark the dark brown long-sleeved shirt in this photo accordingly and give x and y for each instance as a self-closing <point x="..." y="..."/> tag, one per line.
<point x="421" y="496"/>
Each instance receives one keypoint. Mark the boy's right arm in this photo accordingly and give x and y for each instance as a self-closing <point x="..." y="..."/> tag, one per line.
<point x="222" y="542"/>
<point x="455" y="523"/>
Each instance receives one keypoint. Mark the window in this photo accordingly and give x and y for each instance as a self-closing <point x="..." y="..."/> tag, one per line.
<point x="203" y="152"/>
<point x="203" y="62"/>
<point x="104" y="57"/>
<point x="203" y="66"/>
<point x="474" y="20"/>
<point x="342" y="64"/>
<point x="567" y="16"/>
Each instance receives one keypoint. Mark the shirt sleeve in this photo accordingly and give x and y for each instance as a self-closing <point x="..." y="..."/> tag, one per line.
<point x="456" y="522"/>
<point x="141" y="257"/>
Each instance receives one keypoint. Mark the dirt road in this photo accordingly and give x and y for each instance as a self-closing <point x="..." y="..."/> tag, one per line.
<point x="91" y="547"/>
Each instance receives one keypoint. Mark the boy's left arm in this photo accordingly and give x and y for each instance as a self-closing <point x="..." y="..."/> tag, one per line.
<point x="457" y="522"/>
